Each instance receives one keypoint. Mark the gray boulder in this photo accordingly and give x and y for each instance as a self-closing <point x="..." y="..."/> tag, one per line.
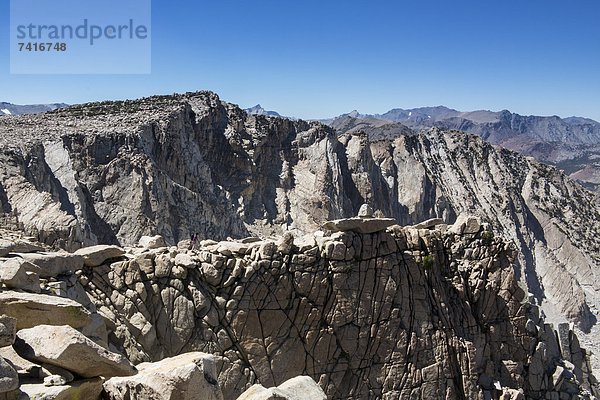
<point x="152" y="242"/>
<point x="89" y="389"/>
<point x="16" y="273"/>
<point x="9" y="379"/>
<point x="32" y="309"/>
<point x="188" y="376"/>
<point x="8" y="330"/>
<point x="94" y="256"/>
<point x="50" y="265"/>
<point x="298" y="388"/>
<point x="66" y="347"/>
<point x="360" y="225"/>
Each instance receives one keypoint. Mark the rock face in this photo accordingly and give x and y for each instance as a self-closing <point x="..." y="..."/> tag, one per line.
<point x="194" y="164"/>
<point x="570" y="143"/>
<point x="401" y="313"/>
<point x="67" y="348"/>
<point x="185" y="377"/>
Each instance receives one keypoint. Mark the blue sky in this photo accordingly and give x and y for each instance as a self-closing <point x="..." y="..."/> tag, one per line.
<point x="315" y="59"/>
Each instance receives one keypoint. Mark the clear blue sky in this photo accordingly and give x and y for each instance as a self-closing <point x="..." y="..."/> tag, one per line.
<point x="315" y="59"/>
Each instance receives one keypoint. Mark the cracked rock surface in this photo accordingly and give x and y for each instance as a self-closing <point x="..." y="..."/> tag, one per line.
<point x="400" y="313"/>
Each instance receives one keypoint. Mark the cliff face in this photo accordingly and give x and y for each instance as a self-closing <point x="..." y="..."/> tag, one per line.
<point x="175" y="165"/>
<point x="402" y="313"/>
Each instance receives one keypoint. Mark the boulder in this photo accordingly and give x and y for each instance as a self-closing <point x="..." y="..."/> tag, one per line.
<point x="32" y="309"/>
<point x="298" y="388"/>
<point x="15" y="274"/>
<point x="9" y="379"/>
<point x="360" y="225"/>
<point x="50" y="265"/>
<point x="229" y="248"/>
<point x="365" y="211"/>
<point x="66" y="347"/>
<point x="185" y="260"/>
<point x="152" y="242"/>
<point x="25" y="246"/>
<point x="429" y="224"/>
<point x="8" y="330"/>
<point x="89" y="389"/>
<point x="6" y="246"/>
<point x="184" y="377"/>
<point x="466" y="224"/>
<point x="94" y="256"/>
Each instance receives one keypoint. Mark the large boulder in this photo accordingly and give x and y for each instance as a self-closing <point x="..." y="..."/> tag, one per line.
<point x="152" y="242"/>
<point x="360" y="225"/>
<point x="298" y="388"/>
<point x="32" y="309"/>
<point x="6" y="246"/>
<point x="8" y="330"/>
<point x="9" y="379"/>
<point x="66" y="347"/>
<point x="94" y="256"/>
<point x="50" y="265"/>
<point x="188" y="376"/>
<point x="16" y="273"/>
<point x="466" y="224"/>
<point x="89" y="389"/>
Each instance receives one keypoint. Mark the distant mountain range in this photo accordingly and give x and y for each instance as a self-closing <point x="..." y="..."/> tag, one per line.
<point x="16" y="109"/>
<point x="258" y="110"/>
<point x="572" y="144"/>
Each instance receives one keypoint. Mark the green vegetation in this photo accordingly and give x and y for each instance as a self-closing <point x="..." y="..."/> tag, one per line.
<point x="487" y="237"/>
<point x="427" y="262"/>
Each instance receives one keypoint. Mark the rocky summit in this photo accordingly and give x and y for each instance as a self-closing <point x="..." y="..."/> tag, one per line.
<point x="274" y="257"/>
<point x="398" y="312"/>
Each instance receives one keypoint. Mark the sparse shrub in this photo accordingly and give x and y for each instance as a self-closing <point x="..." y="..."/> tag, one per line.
<point x="428" y="262"/>
<point x="487" y="237"/>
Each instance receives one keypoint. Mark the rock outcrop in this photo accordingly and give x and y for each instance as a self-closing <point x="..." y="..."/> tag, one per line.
<point x="111" y="173"/>
<point x="399" y="313"/>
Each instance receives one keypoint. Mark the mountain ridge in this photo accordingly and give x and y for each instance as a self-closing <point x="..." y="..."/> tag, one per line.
<point x="17" y="109"/>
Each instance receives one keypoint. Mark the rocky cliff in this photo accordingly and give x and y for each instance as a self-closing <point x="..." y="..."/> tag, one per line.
<point x="174" y="165"/>
<point x="369" y="312"/>
<point x="569" y="143"/>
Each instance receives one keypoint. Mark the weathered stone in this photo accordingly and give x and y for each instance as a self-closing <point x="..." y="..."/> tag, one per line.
<point x="232" y="247"/>
<point x="54" y="380"/>
<point x="359" y="225"/>
<point x="89" y="389"/>
<point x="152" y="242"/>
<point x="466" y="224"/>
<point x="50" y="265"/>
<point x="35" y="309"/>
<point x="6" y="247"/>
<point x="8" y="330"/>
<point x="298" y="388"/>
<point x="65" y="347"/>
<point x="185" y="260"/>
<point x="428" y="224"/>
<point x="9" y="379"/>
<point x="184" y="377"/>
<point x="365" y="211"/>
<point x="15" y="274"/>
<point x="96" y="255"/>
